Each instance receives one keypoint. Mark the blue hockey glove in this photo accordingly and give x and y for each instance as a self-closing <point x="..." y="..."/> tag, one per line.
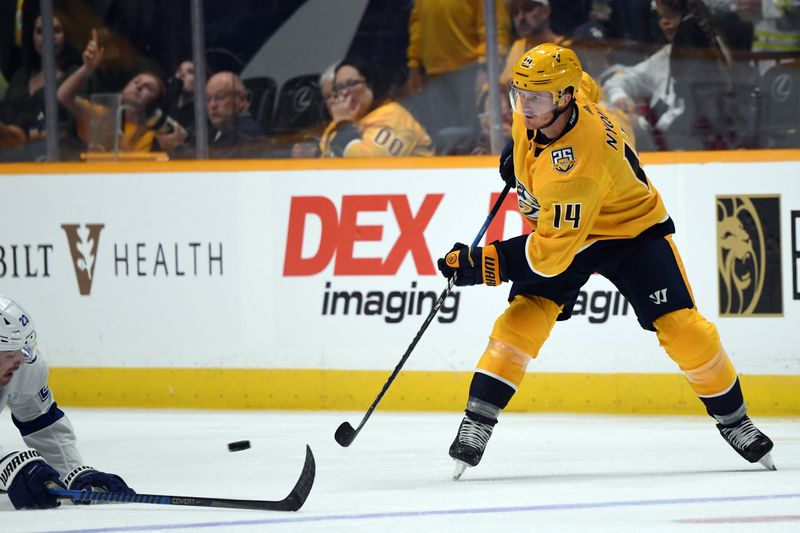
<point x="26" y="477"/>
<point x="507" y="165"/>
<point x="87" y="478"/>
<point x="473" y="266"/>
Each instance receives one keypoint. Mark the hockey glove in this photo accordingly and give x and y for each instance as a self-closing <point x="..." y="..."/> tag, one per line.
<point x="473" y="266"/>
<point x="87" y="478"/>
<point x="26" y="477"/>
<point x="507" y="165"/>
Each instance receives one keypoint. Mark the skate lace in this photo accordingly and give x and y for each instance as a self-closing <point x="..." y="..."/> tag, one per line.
<point x="475" y="434"/>
<point x="742" y="435"/>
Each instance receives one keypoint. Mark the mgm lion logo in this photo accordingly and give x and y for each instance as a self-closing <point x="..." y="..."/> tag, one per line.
<point x="748" y="255"/>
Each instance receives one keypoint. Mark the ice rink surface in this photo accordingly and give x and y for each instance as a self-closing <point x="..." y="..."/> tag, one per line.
<point x="540" y="473"/>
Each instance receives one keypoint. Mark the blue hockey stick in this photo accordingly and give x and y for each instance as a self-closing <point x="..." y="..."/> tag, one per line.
<point x="293" y="502"/>
<point x="345" y="434"/>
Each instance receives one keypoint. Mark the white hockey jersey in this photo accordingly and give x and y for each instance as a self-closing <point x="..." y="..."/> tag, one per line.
<point x="43" y="426"/>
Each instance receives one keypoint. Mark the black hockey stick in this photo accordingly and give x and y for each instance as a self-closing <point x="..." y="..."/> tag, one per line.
<point x="293" y="502"/>
<point x="345" y="434"/>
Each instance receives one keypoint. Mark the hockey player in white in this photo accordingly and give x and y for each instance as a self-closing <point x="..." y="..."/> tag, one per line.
<point x="53" y="460"/>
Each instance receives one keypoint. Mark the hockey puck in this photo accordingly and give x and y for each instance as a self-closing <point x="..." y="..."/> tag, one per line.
<point x="238" y="446"/>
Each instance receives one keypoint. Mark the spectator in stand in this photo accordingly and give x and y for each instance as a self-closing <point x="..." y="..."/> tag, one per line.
<point x="182" y="107"/>
<point x="648" y="86"/>
<point x="366" y="123"/>
<point x="235" y="134"/>
<point x="735" y="30"/>
<point x="484" y="145"/>
<point x="177" y="125"/>
<point x="531" y="20"/>
<point x="701" y="65"/>
<point x="458" y="141"/>
<point x="26" y="89"/>
<point x="447" y="45"/>
<point x="657" y="94"/>
<point x="309" y="146"/>
<point x="326" y="80"/>
<point x="140" y="99"/>
<point x="777" y="23"/>
<point x="760" y="25"/>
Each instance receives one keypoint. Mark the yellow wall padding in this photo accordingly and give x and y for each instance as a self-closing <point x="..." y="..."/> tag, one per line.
<point x="188" y="388"/>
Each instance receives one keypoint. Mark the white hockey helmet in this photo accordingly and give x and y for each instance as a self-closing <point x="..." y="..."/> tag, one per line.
<point x="16" y="329"/>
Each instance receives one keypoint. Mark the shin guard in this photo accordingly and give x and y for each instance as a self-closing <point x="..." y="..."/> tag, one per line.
<point x="693" y="343"/>
<point x="516" y="337"/>
<point x="504" y="363"/>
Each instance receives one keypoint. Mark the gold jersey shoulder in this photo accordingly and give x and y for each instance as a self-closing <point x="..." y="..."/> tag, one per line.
<point x="389" y="130"/>
<point x="586" y="186"/>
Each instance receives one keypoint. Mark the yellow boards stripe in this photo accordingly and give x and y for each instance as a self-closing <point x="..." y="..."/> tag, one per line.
<point x="355" y="390"/>
<point x="486" y="161"/>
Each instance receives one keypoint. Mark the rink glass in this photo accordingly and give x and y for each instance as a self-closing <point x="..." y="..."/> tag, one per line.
<point x="267" y="44"/>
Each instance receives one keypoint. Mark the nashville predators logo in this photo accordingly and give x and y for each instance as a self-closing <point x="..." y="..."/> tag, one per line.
<point x="528" y="205"/>
<point x="452" y="259"/>
<point x="563" y="159"/>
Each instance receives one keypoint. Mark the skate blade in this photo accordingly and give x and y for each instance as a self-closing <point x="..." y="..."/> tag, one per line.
<point x="460" y="467"/>
<point x="767" y="463"/>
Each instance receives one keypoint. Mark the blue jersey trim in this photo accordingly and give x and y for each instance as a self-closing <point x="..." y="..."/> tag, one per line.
<point x="40" y="422"/>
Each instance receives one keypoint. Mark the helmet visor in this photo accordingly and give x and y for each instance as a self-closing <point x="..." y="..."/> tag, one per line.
<point x="26" y="352"/>
<point x="530" y="103"/>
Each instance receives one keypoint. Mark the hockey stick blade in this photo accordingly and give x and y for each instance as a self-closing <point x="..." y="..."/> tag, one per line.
<point x="293" y="502"/>
<point x="345" y="434"/>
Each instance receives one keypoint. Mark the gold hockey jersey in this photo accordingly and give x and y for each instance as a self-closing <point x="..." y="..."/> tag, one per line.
<point x="389" y="130"/>
<point x="586" y="186"/>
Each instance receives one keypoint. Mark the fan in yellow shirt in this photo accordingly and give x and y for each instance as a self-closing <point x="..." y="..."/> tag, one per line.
<point x="446" y="58"/>
<point x="582" y="189"/>
<point x="140" y="99"/>
<point x="365" y="123"/>
<point x="531" y="20"/>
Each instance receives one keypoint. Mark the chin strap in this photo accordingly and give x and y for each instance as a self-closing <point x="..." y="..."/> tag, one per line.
<point x="557" y="113"/>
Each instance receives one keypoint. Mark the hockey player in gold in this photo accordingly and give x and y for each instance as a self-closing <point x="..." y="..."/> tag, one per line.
<point x="365" y="123"/>
<point x="581" y="187"/>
